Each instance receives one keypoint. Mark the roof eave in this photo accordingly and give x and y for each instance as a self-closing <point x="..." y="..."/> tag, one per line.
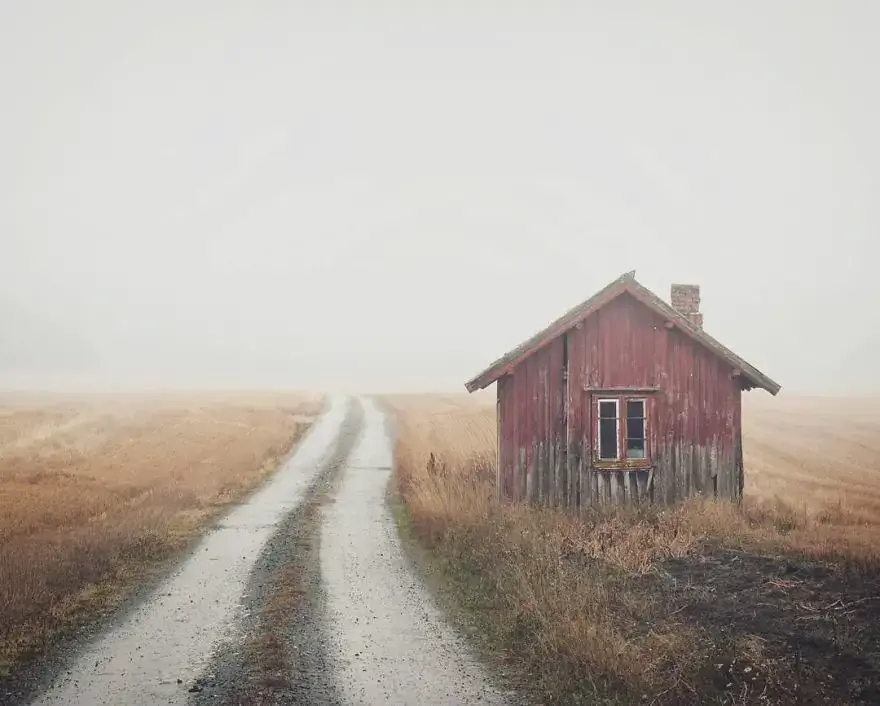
<point x="484" y="379"/>
<point x="765" y="383"/>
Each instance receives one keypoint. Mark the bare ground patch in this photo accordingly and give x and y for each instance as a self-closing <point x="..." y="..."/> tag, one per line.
<point x="781" y="628"/>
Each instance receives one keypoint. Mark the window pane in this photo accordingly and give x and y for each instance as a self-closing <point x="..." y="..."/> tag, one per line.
<point x="635" y="428"/>
<point x="635" y="448"/>
<point x="635" y="408"/>
<point x="608" y="410"/>
<point x="607" y="438"/>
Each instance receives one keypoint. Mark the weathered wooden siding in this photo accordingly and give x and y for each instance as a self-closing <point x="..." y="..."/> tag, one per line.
<point x="693" y="419"/>
<point x="532" y="443"/>
<point x="506" y="436"/>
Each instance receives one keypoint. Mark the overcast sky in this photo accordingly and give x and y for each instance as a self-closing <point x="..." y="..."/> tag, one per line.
<point x="261" y="193"/>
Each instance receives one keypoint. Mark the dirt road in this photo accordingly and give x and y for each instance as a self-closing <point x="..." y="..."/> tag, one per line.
<point x="388" y="642"/>
<point x="366" y="633"/>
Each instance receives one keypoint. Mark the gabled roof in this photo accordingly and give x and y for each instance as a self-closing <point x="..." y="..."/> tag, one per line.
<point x="625" y="283"/>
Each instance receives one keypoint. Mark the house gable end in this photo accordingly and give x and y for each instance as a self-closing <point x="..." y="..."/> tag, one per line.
<point x="624" y="284"/>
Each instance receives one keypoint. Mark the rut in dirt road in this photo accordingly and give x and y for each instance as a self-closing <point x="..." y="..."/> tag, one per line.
<point x="388" y="643"/>
<point x="158" y="650"/>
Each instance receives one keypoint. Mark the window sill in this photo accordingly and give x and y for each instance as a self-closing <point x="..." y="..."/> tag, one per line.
<point x="633" y="464"/>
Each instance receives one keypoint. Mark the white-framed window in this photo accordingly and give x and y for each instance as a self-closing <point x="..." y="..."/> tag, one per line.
<point x="636" y="446"/>
<point x="609" y="429"/>
<point x="621" y="430"/>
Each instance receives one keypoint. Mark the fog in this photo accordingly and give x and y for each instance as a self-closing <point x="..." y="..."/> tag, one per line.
<point x="265" y="194"/>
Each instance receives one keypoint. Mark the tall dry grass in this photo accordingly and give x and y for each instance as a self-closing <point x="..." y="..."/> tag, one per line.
<point x="817" y="460"/>
<point x="96" y="491"/>
<point x="565" y="594"/>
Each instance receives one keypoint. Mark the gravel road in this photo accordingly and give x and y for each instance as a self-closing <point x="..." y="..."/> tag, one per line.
<point x="388" y="642"/>
<point x="360" y="628"/>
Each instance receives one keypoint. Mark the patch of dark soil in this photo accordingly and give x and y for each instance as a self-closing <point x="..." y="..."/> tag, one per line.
<point x="281" y="658"/>
<point x="784" y="629"/>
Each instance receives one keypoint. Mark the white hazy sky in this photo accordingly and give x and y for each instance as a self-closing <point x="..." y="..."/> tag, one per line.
<point x="390" y="195"/>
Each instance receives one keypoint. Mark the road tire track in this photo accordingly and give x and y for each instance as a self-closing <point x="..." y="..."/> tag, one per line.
<point x="282" y="656"/>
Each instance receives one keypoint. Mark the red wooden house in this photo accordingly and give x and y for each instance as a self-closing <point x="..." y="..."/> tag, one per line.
<point x="623" y="399"/>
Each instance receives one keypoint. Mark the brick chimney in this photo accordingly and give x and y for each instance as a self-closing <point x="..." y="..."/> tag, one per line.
<point x="686" y="301"/>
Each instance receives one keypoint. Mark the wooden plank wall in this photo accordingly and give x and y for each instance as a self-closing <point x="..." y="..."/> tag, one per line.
<point x="533" y="441"/>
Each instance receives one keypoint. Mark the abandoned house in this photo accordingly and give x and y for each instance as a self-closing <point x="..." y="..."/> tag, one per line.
<point x="624" y="399"/>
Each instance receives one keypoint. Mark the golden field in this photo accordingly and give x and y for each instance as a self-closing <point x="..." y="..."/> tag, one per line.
<point x="96" y="491"/>
<point x="657" y="604"/>
<point x="692" y="604"/>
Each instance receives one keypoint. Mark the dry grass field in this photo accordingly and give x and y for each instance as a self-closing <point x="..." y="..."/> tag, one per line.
<point x="775" y="601"/>
<point x="96" y="491"/>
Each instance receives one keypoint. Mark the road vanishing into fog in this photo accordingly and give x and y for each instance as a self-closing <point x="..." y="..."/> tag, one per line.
<point x="372" y="634"/>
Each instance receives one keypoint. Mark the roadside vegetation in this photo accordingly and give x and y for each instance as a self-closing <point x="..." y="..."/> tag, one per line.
<point x="97" y="493"/>
<point x="773" y="601"/>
